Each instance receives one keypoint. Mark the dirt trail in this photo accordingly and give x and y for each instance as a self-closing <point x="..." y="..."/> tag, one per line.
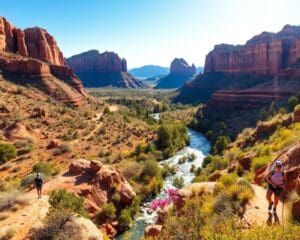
<point x="26" y="217"/>
<point x="257" y="211"/>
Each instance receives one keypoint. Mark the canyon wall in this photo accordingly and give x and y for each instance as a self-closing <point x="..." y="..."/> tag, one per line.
<point x="103" y="69"/>
<point x="33" y="57"/>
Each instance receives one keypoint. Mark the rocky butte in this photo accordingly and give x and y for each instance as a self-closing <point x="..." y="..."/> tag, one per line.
<point x="180" y="72"/>
<point x="263" y="69"/>
<point x="32" y="56"/>
<point x="102" y="70"/>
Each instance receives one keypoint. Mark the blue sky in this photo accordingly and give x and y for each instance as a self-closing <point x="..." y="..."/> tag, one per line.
<point x="151" y="31"/>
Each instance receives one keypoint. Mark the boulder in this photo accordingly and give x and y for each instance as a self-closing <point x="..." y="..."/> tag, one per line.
<point x="85" y="228"/>
<point x="95" y="166"/>
<point x="18" y="131"/>
<point x="109" y="230"/>
<point x="153" y="230"/>
<point x="127" y="193"/>
<point x="53" y="144"/>
<point x="79" y="166"/>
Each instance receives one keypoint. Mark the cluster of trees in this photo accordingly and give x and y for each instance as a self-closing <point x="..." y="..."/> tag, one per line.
<point x="172" y="137"/>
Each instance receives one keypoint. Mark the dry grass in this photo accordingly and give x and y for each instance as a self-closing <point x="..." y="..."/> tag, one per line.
<point x="12" y="199"/>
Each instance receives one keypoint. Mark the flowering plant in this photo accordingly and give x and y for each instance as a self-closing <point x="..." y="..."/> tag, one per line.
<point x="172" y="196"/>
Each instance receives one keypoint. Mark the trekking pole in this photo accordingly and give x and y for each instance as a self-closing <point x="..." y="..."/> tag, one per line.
<point x="282" y="215"/>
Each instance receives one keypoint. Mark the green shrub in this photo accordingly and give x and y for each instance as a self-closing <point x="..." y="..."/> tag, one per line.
<point x="108" y="211"/>
<point x="45" y="168"/>
<point x="7" y="152"/>
<point x="28" y="180"/>
<point x="259" y="162"/>
<point x="228" y="179"/>
<point x="178" y="182"/>
<point x="57" y="226"/>
<point x="150" y="170"/>
<point x="221" y="144"/>
<point x="125" y="218"/>
<point x="61" y="199"/>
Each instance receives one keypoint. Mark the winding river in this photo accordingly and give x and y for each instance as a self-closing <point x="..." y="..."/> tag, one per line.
<point x="199" y="146"/>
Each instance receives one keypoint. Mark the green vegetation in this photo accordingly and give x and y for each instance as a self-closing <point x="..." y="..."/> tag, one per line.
<point x="7" y="152"/>
<point x="45" y="168"/>
<point x="178" y="182"/>
<point x="172" y="137"/>
<point x="63" y="200"/>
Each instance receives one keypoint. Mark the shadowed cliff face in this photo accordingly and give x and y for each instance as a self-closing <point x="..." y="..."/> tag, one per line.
<point x="105" y="69"/>
<point x="180" y="72"/>
<point x="266" y="68"/>
<point x="32" y="56"/>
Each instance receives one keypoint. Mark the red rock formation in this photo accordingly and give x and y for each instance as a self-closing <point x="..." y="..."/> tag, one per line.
<point x="265" y="68"/>
<point x="46" y="63"/>
<point x="264" y="54"/>
<point x="180" y="66"/>
<point x="153" y="230"/>
<point x="105" y="69"/>
<point x="99" y="183"/>
<point x="32" y="42"/>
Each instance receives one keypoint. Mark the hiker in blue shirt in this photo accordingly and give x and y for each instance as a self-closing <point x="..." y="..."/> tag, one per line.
<point x="39" y="184"/>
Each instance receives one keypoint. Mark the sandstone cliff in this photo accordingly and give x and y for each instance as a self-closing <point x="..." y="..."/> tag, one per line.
<point x="266" y="68"/>
<point x="32" y="56"/>
<point x="101" y="70"/>
<point x="180" y="72"/>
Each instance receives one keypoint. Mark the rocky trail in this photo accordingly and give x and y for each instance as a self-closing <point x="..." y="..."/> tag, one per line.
<point x="32" y="214"/>
<point x="257" y="211"/>
<point x="23" y="219"/>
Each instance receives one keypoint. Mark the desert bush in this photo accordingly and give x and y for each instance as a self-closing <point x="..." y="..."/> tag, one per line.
<point x="150" y="170"/>
<point x="259" y="162"/>
<point x="56" y="227"/>
<point x="7" y="152"/>
<point x="64" y="148"/>
<point x="168" y="170"/>
<point x="228" y="179"/>
<point x="108" y="211"/>
<point x="28" y="180"/>
<point x="61" y="199"/>
<point x="45" y="168"/>
<point x="221" y="144"/>
<point x="178" y="182"/>
<point x="12" y="198"/>
<point x="125" y="218"/>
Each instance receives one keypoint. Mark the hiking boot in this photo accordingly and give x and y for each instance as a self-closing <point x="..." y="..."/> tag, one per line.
<point x="270" y="206"/>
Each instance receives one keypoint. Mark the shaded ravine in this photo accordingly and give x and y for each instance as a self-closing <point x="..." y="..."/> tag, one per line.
<point x="199" y="146"/>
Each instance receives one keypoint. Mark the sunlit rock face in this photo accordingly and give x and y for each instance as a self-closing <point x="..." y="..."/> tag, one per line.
<point x="103" y="69"/>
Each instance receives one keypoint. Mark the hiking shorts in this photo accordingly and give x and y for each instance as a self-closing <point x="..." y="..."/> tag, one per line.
<point x="277" y="191"/>
<point x="38" y="186"/>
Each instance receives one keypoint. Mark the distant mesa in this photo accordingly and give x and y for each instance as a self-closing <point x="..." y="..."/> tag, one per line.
<point x="149" y="71"/>
<point x="180" y="72"/>
<point x="103" y="70"/>
<point x="266" y="68"/>
<point x="32" y="56"/>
